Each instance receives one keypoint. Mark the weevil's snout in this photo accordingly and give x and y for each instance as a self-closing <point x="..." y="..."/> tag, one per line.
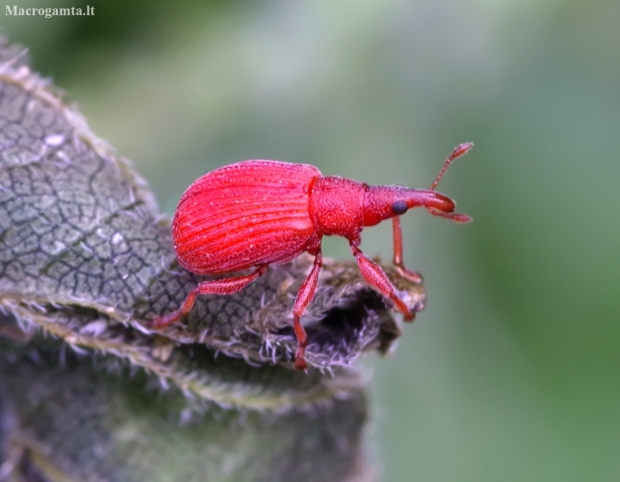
<point x="430" y="200"/>
<point x="438" y="205"/>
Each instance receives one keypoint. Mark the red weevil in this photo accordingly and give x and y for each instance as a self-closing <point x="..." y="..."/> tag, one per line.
<point x="254" y="213"/>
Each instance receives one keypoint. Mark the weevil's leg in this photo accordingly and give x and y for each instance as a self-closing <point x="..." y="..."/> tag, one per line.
<point x="398" y="253"/>
<point x="303" y="299"/>
<point x="375" y="276"/>
<point x="224" y="286"/>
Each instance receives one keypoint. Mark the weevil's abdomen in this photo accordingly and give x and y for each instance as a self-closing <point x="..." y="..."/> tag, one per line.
<point x="243" y="215"/>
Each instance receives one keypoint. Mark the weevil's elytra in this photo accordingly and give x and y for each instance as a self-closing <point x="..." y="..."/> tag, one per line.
<point x="244" y="215"/>
<point x="251" y="214"/>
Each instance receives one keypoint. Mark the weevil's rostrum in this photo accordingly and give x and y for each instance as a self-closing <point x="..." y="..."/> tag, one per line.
<point x="251" y="214"/>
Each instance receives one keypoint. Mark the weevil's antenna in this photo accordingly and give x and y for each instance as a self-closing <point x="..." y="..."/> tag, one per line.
<point x="459" y="151"/>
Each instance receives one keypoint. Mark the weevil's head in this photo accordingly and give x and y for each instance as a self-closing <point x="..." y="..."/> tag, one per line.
<point x="384" y="202"/>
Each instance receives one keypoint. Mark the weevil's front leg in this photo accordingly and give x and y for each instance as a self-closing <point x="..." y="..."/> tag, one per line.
<point x="224" y="286"/>
<point x="398" y="254"/>
<point x="375" y="276"/>
<point x="303" y="299"/>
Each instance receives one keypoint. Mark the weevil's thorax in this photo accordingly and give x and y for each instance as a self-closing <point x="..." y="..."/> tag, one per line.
<point x="336" y="206"/>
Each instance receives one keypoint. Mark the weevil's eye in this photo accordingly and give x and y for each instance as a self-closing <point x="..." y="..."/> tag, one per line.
<point x="399" y="207"/>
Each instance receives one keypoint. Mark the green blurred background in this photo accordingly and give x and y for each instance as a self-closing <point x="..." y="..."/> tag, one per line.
<point x="512" y="373"/>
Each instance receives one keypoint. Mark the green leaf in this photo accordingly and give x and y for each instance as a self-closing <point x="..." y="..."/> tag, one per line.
<point x="86" y="257"/>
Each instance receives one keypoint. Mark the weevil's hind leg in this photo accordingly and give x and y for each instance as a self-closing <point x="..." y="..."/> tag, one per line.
<point x="398" y="253"/>
<point x="224" y="286"/>
<point x="303" y="299"/>
<point x="375" y="276"/>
